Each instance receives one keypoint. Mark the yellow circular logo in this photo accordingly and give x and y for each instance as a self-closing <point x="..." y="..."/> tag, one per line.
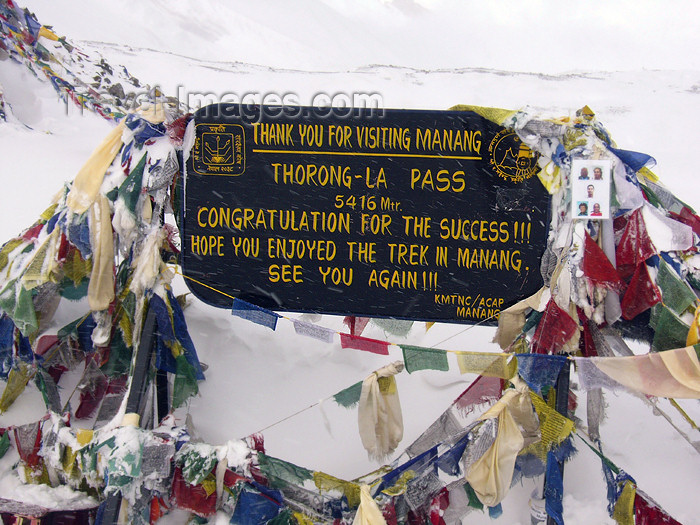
<point x="512" y="159"/>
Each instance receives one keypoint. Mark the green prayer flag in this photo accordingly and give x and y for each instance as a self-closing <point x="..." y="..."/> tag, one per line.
<point x="4" y="443"/>
<point x="119" y="360"/>
<point x="670" y="332"/>
<point x="420" y="358"/>
<point x="398" y="327"/>
<point x="652" y="198"/>
<point x="473" y="498"/>
<point x="349" y="397"/>
<point x="16" y="302"/>
<point x="197" y="461"/>
<point x="654" y="314"/>
<point x="677" y="295"/>
<point x="185" y="381"/>
<point x="130" y="190"/>
<point x="276" y="470"/>
<point x="532" y="320"/>
<point x="285" y="517"/>
<point x="69" y="290"/>
<point x="71" y="329"/>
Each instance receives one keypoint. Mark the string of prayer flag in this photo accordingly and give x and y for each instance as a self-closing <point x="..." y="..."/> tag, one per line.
<point x="256" y="314"/>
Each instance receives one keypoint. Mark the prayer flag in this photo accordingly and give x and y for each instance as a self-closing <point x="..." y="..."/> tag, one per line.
<point x="598" y="268"/>
<point x="635" y="246"/>
<point x="554" y="489"/>
<point x="420" y="358"/>
<point x="641" y="294"/>
<point x="350" y="396"/>
<point x="487" y="364"/>
<point x="398" y="327"/>
<point x="276" y="470"/>
<point x="670" y="331"/>
<point x="356" y="325"/>
<point x="555" y="328"/>
<point x="254" y="313"/>
<point x="676" y="293"/>
<point x="314" y="331"/>
<point x="539" y="370"/>
<point x="364" y="343"/>
<point x="646" y="512"/>
<point x="484" y="389"/>
<point x="672" y="373"/>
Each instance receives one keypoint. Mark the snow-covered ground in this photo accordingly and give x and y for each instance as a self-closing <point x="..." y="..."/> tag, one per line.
<point x="554" y="58"/>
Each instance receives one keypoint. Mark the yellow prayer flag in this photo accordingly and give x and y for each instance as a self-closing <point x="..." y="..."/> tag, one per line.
<point x="47" y="33"/>
<point x="623" y="513"/>
<point x="694" y="332"/>
<point x="495" y="115"/>
<point x="84" y="436"/>
<point x="487" y="364"/>
<point x="554" y="427"/>
<point x="326" y="482"/>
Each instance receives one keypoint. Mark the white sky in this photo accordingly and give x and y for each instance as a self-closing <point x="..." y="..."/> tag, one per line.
<point x="535" y="36"/>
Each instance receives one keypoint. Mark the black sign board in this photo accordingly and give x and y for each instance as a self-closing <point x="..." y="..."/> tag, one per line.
<point x="430" y="215"/>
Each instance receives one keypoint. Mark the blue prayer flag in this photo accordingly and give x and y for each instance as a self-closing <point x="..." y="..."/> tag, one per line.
<point x="254" y="313"/>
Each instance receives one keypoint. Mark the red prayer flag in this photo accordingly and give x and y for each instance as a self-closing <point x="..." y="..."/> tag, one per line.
<point x="28" y="443"/>
<point x="192" y="497"/>
<point x="64" y="248"/>
<point x="598" y="268"/>
<point x="688" y="217"/>
<point x="438" y="506"/>
<point x="356" y="325"/>
<point x="556" y="327"/>
<point x="586" y="343"/>
<point x="364" y="343"/>
<point x="641" y="294"/>
<point x="646" y="513"/>
<point x="483" y="389"/>
<point x="635" y="245"/>
<point x="33" y="232"/>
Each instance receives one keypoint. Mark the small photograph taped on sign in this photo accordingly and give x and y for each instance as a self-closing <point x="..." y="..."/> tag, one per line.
<point x="426" y="215"/>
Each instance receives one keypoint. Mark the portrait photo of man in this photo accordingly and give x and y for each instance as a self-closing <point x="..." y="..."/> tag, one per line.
<point x="591" y="188"/>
